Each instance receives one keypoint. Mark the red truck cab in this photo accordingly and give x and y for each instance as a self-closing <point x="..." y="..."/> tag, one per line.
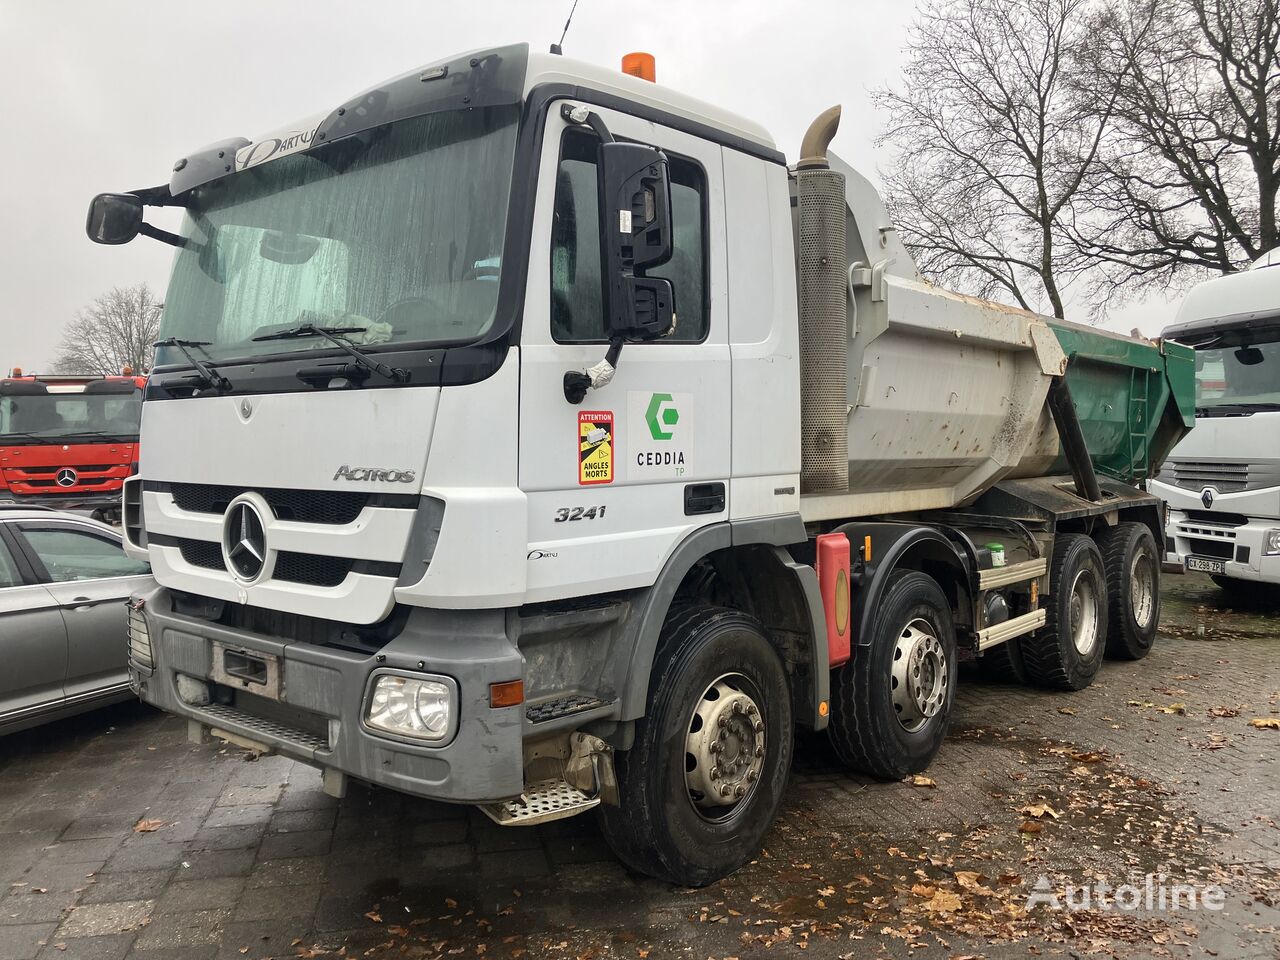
<point x="69" y="441"/>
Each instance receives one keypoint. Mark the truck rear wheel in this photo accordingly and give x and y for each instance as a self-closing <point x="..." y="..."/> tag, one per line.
<point x="1066" y="652"/>
<point x="701" y="785"/>
<point x="1132" y="566"/>
<point x="891" y="703"/>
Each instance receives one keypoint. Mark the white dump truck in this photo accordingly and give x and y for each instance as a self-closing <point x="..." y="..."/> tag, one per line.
<point x="1222" y="483"/>
<point x="530" y="435"/>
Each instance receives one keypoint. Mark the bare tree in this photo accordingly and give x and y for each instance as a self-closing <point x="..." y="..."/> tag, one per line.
<point x="992" y="145"/>
<point x="1190" y="167"/>
<point x="117" y="330"/>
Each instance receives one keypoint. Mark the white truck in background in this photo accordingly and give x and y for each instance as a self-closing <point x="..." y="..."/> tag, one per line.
<point x="1222" y="483"/>
<point x="529" y="435"/>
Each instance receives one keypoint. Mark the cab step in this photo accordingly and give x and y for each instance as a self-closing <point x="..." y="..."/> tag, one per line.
<point x="541" y="802"/>
<point x="562" y="707"/>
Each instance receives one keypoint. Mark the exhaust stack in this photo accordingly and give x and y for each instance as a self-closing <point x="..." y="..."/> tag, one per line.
<point x="824" y="433"/>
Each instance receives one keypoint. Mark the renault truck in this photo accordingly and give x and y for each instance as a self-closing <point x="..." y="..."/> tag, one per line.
<point x="530" y="435"/>
<point x="1222" y="483"/>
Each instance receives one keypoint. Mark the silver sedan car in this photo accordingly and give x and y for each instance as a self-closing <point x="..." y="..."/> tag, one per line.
<point x="64" y="581"/>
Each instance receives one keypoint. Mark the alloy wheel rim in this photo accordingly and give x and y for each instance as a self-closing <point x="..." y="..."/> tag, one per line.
<point x="1142" y="588"/>
<point x="1084" y="613"/>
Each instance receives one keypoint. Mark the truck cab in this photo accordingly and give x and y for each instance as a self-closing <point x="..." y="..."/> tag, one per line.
<point x="69" y="442"/>
<point x="1222" y="483"/>
<point x="530" y="435"/>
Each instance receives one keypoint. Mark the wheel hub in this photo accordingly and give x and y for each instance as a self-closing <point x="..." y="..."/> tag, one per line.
<point x="725" y="746"/>
<point x="921" y="678"/>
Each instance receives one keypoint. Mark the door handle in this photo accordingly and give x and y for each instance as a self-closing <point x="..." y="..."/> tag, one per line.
<point x="703" y="498"/>
<point x="84" y="603"/>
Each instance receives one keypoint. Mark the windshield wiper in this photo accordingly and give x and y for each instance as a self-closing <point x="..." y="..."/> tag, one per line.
<point x="1226" y="409"/>
<point x="335" y="335"/>
<point x="206" y="370"/>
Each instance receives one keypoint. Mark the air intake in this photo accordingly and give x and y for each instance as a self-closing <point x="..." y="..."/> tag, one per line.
<point x="824" y="434"/>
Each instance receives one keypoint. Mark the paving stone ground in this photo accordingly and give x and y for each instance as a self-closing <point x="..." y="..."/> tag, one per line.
<point x="1154" y="769"/>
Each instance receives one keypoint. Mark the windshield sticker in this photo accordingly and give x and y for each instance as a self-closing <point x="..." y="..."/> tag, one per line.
<point x="595" y="447"/>
<point x="660" y="425"/>
<point x="280" y="144"/>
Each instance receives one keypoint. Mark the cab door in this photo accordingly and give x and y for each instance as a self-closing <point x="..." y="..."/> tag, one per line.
<point x="616" y="482"/>
<point x="33" y="641"/>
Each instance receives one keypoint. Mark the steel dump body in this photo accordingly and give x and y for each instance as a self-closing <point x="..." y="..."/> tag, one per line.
<point x="947" y="393"/>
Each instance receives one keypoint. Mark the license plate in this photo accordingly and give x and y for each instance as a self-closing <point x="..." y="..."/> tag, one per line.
<point x="1206" y="565"/>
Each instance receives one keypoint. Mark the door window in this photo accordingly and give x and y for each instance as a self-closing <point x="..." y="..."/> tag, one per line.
<point x="69" y="554"/>
<point x="577" y="286"/>
<point x="8" y="569"/>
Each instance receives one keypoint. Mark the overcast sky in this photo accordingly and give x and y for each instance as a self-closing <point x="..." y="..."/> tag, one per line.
<point x="104" y="95"/>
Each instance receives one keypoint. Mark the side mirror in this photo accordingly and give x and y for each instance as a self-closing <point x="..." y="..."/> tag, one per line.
<point x="114" y="218"/>
<point x="635" y="233"/>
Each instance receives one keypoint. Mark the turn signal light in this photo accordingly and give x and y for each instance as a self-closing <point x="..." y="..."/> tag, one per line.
<point x="509" y="694"/>
<point x="640" y="65"/>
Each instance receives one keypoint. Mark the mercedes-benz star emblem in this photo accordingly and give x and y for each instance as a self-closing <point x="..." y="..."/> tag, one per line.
<point x="66" y="477"/>
<point x="1207" y="497"/>
<point x="245" y="541"/>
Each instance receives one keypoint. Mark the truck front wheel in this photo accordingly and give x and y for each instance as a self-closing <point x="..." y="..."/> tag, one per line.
<point x="891" y="703"/>
<point x="701" y="784"/>
<point x="1066" y="652"/>
<point x="1133" y="589"/>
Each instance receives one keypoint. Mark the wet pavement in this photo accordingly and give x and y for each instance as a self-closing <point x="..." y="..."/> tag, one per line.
<point x="119" y="839"/>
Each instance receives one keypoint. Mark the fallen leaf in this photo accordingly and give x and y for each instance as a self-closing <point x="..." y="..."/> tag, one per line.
<point x="147" y="826"/>
<point x="1040" y="811"/>
<point x="923" y="890"/>
<point x="1067" y="710"/>
<point x="919" y="780"/>
<point x="1031" y="826"/>
<point x="1179" y="708"/>
<point x="1265" y="723"/>
<point x="374" y="916"/>
<point x="943" y="902"/>
<point x="1223" y="712"/>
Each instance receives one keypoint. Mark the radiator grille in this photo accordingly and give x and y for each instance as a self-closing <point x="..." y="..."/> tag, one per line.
<point x="312" y="569"/>
<point x="202" y="553"/>
<point x="305" y="506"/>
<point x="1224" y="476"/>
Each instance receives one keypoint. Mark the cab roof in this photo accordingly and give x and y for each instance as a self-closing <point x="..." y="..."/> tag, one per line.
<point x="480" y="78"/>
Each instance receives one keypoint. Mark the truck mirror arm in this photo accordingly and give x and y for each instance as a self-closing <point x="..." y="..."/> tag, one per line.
<point x="577" y="383"/>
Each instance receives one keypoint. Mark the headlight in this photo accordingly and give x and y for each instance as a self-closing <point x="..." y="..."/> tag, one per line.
<point x="410" y="707"/>
<point x="139" y="636"/>
<point x="1271" y="543"/>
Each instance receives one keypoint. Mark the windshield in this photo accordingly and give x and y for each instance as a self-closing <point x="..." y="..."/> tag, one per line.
<point x="397" y="231"/>
<point x="33" y="418"/>
<point x="1241" y="377"/>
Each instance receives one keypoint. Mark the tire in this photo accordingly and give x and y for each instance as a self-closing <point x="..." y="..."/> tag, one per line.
<point x="1002" y="664"/>
<point x="877" y="725"/>
<point x="1132" y="565"/>
<point x="1051" y="654"/>
<point x="708" y="659"/>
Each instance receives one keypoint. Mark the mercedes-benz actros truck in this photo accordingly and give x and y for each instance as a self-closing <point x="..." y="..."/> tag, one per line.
<point x="530" y="435"/>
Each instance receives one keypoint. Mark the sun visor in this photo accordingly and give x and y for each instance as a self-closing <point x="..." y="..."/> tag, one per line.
<point x="22" y="388"/>
<point x="111" y="386"/>
<point x="484" y="78"/>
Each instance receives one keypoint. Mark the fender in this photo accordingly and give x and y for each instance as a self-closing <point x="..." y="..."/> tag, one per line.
<point x="890" y="543"/>
<point x="645" y="624"/>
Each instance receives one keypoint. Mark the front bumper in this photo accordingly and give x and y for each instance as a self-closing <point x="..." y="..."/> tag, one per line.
<point x="1239" y="546"/>
<point x="317" y="717"/>
<point x="75" y="500"/>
